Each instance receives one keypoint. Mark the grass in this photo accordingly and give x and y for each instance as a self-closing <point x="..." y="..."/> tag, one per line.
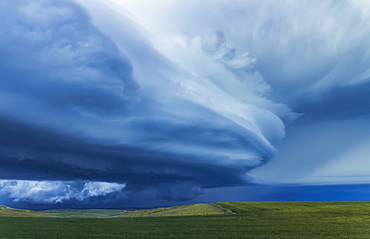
<point x="251" y="220"/>
<point x="83" y="213"/>
<point x="187" y="210"/>
<point x="11" y="212"/>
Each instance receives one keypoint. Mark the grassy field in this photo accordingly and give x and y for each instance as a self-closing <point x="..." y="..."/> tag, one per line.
<point x="83" y="213"/>
<point x="358" y="208"/>
<point x="186" y="210"/>
<point x="250" y="220"/>
<point x="11" y="212"/>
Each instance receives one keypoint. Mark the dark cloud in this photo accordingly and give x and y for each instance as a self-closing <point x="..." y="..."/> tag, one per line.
<point x="79" y="106"/>
<point x="34" y="153"/>
<point x="52" y="56"/>
<point x="72" y="113"/>
<point x="341" y="103"/>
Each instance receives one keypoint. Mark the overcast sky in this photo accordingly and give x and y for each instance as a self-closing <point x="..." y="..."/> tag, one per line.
<point x="121" y="103"/>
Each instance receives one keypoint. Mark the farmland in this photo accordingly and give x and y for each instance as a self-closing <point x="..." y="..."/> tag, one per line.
<point x="248" y="220"/>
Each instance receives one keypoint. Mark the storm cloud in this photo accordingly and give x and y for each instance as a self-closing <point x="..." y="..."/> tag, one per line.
<point x="56" y="191"/>
<point x="114" y="100"/>
<point x="76" y="105"/>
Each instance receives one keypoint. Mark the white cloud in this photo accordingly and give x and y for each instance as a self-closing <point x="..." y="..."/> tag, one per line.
<point x="303" y="48"/>
<point x="56" y="191"/>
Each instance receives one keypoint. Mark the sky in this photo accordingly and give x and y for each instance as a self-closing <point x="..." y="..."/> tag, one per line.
<point x="135" y="103"/>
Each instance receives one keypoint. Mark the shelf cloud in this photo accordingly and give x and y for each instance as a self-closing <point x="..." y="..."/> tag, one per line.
<point x="107" y="98"/>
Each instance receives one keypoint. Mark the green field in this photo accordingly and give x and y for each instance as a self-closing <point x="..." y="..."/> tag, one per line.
<point x="11" y="212"/>
<point x="187" y="210"/>
<point x="249" y="220"/>
<point x="83" y="213"/>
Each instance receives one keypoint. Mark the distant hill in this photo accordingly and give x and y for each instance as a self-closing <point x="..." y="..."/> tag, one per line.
<point x="255" y="208"/>
<point x="254" y="220"/>
<point x="11" y="212"/>
<point x="83" y="213"/>
<point x="203" y="209"/>
<point x="186" y="210"/>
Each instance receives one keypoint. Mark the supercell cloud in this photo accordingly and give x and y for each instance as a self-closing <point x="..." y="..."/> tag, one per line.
<point x="73" y="109"/>
<point x="107" y="99"/>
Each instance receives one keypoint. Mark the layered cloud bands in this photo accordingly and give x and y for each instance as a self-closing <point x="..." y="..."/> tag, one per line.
<point x="315" y="57"/>
<point x="85" y="113"/>
<point x="109" y="98"/>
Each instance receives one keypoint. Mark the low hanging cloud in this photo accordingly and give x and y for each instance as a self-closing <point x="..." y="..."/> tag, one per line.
<point x="51" y="192"/>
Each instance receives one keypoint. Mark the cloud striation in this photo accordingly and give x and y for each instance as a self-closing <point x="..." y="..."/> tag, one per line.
<point x="73" y="111"/>
<point x="105" y="99"/>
